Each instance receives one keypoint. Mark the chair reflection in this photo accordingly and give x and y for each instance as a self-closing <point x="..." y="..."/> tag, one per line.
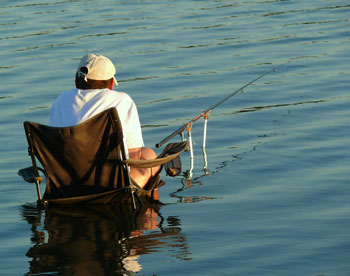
<point x="99" y="239"/>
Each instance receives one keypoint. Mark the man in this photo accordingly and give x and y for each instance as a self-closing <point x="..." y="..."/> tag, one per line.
<point x="94" y="81"/>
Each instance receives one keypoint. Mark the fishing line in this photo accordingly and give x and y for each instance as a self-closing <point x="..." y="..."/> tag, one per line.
<point x="207" y="112"/>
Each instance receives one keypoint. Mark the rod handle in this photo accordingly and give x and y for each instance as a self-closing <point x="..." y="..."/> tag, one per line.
<point x="171" y="136"/>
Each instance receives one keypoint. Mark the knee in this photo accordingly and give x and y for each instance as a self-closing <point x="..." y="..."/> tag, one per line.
<point x="148" y="153"/>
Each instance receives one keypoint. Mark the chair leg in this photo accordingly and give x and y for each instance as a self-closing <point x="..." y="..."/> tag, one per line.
<point x="139" y="199"/>
<point x="130" y="185"/>
<point x="133" y="198"/>
<point x="38" y="189"/>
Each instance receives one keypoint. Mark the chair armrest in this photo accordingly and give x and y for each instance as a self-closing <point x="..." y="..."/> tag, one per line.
<point x="170" y="152"/>
<point x="28" y="175"/>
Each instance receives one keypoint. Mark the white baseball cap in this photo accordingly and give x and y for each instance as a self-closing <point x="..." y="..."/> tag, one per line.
<point x="99" y="68"/>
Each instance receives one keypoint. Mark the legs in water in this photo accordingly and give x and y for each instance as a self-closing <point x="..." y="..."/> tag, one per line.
<point x="142" y="175"/>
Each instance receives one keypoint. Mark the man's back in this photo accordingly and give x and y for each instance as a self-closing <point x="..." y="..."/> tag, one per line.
<point x="94" y="82"/>
<point x="77" y="105"/>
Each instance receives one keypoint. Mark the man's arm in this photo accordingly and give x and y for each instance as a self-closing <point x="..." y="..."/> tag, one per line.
<point x="135" y="153"/>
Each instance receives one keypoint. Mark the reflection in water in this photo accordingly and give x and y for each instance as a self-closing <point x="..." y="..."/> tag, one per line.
<point x="99" y="239"/>
<point x="188" y="183"/>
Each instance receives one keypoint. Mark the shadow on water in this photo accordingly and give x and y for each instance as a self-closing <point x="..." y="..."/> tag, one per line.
<point x="258" y="108"/>
<point x="99" y="239"/>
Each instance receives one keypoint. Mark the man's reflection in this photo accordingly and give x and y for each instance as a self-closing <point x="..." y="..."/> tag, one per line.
<point x="99" y="239"/>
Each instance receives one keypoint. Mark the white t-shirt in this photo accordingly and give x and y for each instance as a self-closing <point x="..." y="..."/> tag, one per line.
<point x="75" y="106"/>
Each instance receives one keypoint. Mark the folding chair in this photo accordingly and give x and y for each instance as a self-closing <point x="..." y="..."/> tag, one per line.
<point x="87" y="163"/>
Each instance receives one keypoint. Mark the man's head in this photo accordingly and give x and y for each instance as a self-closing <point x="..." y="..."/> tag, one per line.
<point x="95" y="72"/>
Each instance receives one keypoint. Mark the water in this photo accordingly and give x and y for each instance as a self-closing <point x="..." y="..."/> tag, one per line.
<point x="276" y="201"/>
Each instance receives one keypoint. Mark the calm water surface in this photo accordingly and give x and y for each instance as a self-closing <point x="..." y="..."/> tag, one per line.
<point x="276" y="199"/>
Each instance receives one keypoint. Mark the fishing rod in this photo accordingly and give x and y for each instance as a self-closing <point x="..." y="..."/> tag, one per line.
<point x="206" y="113"/>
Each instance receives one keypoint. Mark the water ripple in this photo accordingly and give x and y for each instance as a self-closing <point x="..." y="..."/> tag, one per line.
<point x="277" y="155"/>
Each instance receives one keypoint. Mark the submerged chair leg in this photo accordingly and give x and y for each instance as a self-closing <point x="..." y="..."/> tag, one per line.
<point x="38" y="190"/>
<point x="38" y="181"/>
<point x="37" y="178"/>
<point x="131" y="188"/>
<point x="133" y="198"/>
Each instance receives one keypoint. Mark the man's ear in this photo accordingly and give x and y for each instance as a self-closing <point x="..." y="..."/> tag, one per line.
<point x="111" y="84"/>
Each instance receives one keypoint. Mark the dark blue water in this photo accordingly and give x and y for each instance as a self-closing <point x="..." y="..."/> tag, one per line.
<point x="276" y="198"/>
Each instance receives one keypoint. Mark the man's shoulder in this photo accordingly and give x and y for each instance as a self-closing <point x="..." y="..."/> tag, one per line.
<point x="65" y="95"/>
<point x="121" y="96"/>
<point x="117" y="93"/>
<point x="68" y="92"/>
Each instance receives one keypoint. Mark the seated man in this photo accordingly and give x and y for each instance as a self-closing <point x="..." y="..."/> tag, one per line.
<point x="94" y="81"/>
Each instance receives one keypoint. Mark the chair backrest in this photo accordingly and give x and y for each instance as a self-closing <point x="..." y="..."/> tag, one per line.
<point x="83" y="159"/>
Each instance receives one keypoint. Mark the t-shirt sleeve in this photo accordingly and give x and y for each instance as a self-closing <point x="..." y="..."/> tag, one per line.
<point x="132" y="127"/>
